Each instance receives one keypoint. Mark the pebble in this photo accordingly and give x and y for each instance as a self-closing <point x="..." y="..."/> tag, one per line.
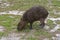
<point x="2" y="29"/>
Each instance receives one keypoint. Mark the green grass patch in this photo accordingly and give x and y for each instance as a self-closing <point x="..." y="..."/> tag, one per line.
<point x="50" y="23"/>
<point x="9" y="21"/>
<point x="3" y="34"/>
<point x="56" y="3"/>
<point x="26" y="4"/>
<point x="23" y="4"/>
<point x="58" y="21"/>
<point x="31" y="38"/>
<point x="42" y="32"/>
<point x="54" y="15"/>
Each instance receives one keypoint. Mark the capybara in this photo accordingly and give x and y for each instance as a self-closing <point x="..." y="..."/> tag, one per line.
<point x="36" y="13"/>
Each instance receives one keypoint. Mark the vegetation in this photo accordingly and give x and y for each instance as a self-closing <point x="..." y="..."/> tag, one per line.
<point x="10" y="21"/>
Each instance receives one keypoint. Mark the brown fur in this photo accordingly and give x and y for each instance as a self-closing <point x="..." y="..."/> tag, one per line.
<point x="36" y="13"/>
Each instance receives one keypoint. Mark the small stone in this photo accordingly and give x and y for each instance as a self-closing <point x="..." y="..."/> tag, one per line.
<point x="2" y="29"/>
<point x="46" y="39"/>
<point x="46" y="27"/>
<point x="57" y="34"/>
<point x="53" y="38"/>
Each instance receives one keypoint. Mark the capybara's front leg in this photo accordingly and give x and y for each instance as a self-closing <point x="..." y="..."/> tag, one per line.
<point x="31" y="25"/>
<point x="42" y="21"/>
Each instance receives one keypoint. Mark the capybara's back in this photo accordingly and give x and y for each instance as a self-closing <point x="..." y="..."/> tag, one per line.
<point x="36" y="13"/>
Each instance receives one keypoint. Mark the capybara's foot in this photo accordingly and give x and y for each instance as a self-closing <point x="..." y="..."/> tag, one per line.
<point x="31" y="27"/>
<point x="42" y="26"/>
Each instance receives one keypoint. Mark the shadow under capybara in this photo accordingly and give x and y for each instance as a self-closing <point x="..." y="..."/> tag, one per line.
<point x="36" y="13"/>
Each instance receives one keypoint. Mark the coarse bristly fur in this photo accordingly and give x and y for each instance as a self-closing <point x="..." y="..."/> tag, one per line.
<point x="36" y="13"/>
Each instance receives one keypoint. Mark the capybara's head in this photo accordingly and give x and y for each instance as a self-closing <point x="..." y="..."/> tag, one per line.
<point x="21" y="25"/>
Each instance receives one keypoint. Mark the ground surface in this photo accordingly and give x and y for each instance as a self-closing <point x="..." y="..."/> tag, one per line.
<point x="9" y="20"/>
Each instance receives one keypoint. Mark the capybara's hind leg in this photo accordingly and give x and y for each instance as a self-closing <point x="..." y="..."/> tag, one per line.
<point x="42" y="21"/>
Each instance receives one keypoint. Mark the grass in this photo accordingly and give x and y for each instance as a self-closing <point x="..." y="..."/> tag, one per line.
<point x="32" y="38"/>
<point x="11" y="21"/>
<point x="3" y="34"/>
<point x="58" y="21"/>
<point x="43" y="33"/>
<point x="50" y="24"/>
<point x="23" y="4"/>
<point x="26" y="4"/>
<point x="8" y="21"/>
<point x="54" y="15"/>
<point x="56" y="3"/>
